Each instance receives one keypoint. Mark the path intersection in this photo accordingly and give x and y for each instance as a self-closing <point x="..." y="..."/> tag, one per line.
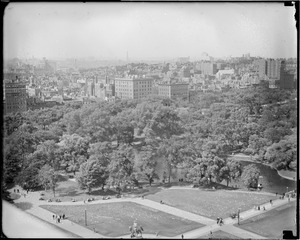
<point x="210" y="224"/>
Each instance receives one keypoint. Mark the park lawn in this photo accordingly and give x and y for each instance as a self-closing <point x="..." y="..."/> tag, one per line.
<point x="272" y="223"/>
<point x="288" y="173"/>
<point x="114" y="219"/>
<point x="211" y="204"/>
<point x="219" y="235"/>
<point x="68" y="190"/>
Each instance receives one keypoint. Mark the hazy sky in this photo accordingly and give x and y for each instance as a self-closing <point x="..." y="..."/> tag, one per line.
<point x="148" y="30"/>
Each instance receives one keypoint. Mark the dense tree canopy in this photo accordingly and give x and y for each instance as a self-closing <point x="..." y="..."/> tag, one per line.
<point x="124" y="141"/>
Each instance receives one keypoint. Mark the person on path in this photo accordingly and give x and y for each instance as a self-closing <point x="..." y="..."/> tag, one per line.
<point x="182" y="236"/>
<point x="289" y="199"/>
<point x="218" y="220"/>
<point x="271" y="202"/>
<point x="63" y="216"/>
<point x="27" y="191"/>
<point x="53" y="217"/>
<point x="14" y="190"/>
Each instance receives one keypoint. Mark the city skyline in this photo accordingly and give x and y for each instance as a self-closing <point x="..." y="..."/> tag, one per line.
<point x="148" y="31"/>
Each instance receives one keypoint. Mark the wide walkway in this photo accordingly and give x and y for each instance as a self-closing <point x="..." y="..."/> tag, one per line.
<point x="211" y="225"/>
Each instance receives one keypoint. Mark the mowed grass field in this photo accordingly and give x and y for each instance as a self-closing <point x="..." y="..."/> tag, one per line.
<point x="272" y="223"/>
<point x="211" y="204"/>
<point x="114" y="219"/>
<point x="219" y="235"/>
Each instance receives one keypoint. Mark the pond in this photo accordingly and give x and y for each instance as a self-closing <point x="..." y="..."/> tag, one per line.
<point x="271" y="180"/>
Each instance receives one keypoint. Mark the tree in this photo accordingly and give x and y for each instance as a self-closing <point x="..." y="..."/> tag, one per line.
<point x="123" y="126"/>
<point x="169" y="149"/>
<point x="28" y="178"/>
<point x="258" y="145"/>
<point x="146" y="164"/>
<point x="284" y="153"/>
<point x="75" y="150"/>
<point x="91" y="174"/>
<point x="250" y="176"/>
<point x="48" y="177"/>
<point x="121" y="165"/>
<point x="230" y="172"/>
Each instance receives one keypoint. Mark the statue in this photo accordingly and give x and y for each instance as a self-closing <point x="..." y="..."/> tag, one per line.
<point x="136" y="231"/>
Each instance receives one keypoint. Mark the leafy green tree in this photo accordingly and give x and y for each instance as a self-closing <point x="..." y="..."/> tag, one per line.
<point x="48" y="177"/>
<point x="75" y="150"/>
<point x="284" y="153"/>
<point x="250" y="176"/>
<point x="123" y="126"/>
<point x="146" y="164"/>
<point x="230" y="172"/>
<point x="101" y="151"/>
<point x="91" y="174"/>
<point x="171" y="151"/>
<point x="28" y="178"/>
<point x="121" y="165"/>
<point x="258" y="145"/>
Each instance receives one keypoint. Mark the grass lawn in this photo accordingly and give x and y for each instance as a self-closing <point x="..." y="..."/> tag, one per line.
<point x="210" y="204"/>
<point x="287" y="173"/>
<point x="219" y="235"/>
<point x="68" y="189"/>
<point x="272" y="223"/>
<point x="114" y="219"/>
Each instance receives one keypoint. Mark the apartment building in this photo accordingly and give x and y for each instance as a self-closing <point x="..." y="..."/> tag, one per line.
<point x="174" y="90"/>
<point x="133" y="87"/>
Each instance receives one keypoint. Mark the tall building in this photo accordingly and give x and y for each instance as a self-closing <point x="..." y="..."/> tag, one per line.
<point x="262" y="67"/>
<point x="207" y="68"/>
<point x="133" y="87"/>
<point x="273" y="68"/>
<point x="174" y="90"/>
<point x="15" y="97"/>
<point x="286" y="80"/>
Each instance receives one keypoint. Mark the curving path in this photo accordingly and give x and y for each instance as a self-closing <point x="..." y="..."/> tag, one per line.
<point x="211" y="225"/>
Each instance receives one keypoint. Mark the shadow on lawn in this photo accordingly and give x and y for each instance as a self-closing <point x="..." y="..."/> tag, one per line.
<point x="24" y="205"/>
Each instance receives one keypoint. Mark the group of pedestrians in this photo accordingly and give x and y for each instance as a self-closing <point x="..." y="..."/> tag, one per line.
<point x="58" y="218"/>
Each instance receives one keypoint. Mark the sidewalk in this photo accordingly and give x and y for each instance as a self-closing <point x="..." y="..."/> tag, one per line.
<point x="211" y="225"/>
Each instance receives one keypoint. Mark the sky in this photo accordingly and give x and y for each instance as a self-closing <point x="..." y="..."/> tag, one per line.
<point x="148" y="30"/>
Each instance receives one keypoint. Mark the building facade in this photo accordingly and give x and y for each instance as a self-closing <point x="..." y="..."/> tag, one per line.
<point x="15" y="97"/>
<point x="133" y="87"/>
<point x="273" y="68"/>
<point x="174" y="90"/>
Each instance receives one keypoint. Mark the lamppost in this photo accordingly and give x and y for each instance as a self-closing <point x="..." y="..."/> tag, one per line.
<point x="239" y="216"/>
<point x="85" y="220"/>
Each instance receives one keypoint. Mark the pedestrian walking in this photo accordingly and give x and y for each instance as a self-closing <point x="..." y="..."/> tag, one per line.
<point x="271" y="201"/>
<point x="27" y="191"/>
<point x="258" y="208"/>
<point x="218" y="220"/>
<point x="276" y="194"/>
<point x="289" y="199"/>
<point x="264" y="208"/>
<point x="53" y="217"/>
<point x="18" y="191"/>
<point x="182" y="236"/>
<point x="63" y="216"/>
<point x="14" y="190"/>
